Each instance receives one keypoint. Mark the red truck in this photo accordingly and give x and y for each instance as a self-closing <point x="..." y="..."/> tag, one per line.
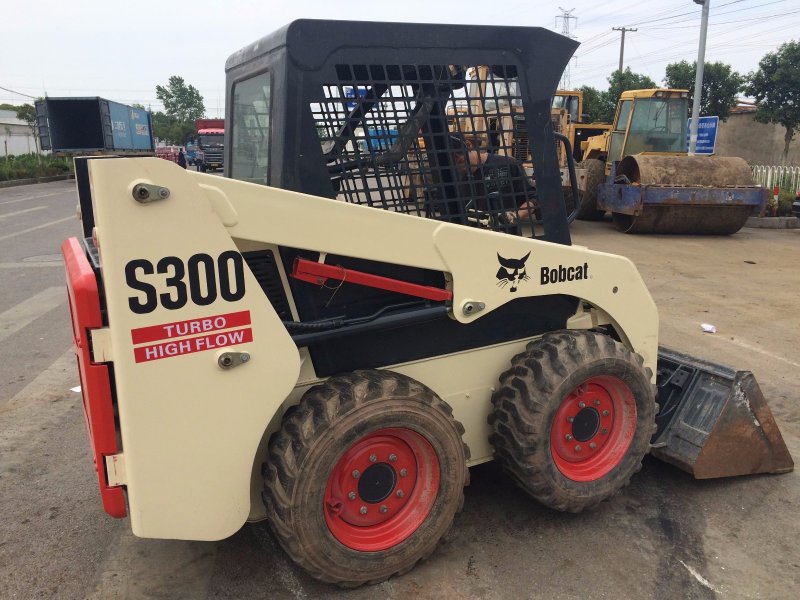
<point x="210" y="140"/>
<point x="169" y="153"/>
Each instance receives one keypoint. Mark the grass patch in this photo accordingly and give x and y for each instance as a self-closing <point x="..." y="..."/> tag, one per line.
<point x="28" y="166"/>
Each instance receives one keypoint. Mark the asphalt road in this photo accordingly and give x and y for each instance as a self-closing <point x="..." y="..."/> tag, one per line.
<point x="664" y="536"/>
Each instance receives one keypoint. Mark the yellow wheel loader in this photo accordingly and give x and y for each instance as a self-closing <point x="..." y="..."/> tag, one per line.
<point x="491" y="119"/>
<point x="640" y="172"/>
<point x="329" y="336"/>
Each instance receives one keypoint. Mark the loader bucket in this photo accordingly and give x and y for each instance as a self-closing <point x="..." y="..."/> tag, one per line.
<point x="714" y="421"/>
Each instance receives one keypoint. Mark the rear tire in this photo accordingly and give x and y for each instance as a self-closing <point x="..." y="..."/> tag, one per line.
<point x="573" y="418"/>
<point x="595" y="175"/>
<point x="365" y="477"/>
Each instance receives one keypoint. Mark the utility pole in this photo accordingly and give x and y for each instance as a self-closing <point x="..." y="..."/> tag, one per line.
<point x="566" y="16"/>
<point x="622" y="43"/>
<point x="698" y="78"/>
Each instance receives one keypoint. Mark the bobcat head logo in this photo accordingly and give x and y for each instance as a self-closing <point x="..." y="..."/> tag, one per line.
<point x="512" y="270"/>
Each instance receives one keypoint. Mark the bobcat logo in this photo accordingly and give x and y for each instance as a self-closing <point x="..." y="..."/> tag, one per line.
<point x="512" y="270"/>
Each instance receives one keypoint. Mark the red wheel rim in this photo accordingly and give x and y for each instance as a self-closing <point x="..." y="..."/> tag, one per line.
<point x="593" y="428"/>
<point x="381" y="489"/>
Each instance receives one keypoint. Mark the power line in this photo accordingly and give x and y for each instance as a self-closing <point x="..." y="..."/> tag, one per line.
<point x="736" y="31"/>
<point x="754" y="37"/>
<point x="18" y="93"/>
<point x="716" y="14"/>
<point x="745" y="20"/>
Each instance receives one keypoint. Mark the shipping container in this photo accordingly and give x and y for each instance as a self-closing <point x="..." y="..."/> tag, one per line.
<point x="93" y="125"/>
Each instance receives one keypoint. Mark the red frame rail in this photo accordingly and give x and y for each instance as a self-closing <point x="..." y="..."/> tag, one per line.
<point x="98" y="408"/>
<point x="319" y="273"/>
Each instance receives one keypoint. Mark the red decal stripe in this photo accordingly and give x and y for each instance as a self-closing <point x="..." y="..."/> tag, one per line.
<point x="190" y="327"/>
<point x="191" y="345"/>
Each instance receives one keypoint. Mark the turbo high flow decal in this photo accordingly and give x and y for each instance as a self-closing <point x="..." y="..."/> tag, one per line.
<point x="218" y="331"/>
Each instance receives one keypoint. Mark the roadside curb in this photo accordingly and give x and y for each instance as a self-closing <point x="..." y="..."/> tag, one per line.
<point x="16" y="182"/>
<point x="773" y="222"/>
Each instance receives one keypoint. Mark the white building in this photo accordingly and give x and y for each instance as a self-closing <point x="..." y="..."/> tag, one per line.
<point x="15" y="135"/>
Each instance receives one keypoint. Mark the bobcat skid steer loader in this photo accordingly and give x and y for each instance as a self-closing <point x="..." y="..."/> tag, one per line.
<point x="365" y="306"/>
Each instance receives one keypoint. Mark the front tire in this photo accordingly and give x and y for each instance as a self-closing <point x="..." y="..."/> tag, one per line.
<point x="573" y="418"/>
<point x="365" y="477"/>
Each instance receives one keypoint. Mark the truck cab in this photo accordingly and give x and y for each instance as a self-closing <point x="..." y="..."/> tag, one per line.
<point x="210" y="142"/>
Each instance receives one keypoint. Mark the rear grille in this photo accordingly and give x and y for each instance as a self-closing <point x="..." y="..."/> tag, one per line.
<point x="262" y="264"/>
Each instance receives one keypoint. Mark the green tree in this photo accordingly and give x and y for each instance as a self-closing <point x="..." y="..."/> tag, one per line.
<point x="27" y="113"/>
<point x="181" y="101"/>
<point x="621" y="81"/>
<point x="776" y="89"/>
<point x="593" y="102"/>
<point x="169" y="129"/>
<point x="720" y="85"/>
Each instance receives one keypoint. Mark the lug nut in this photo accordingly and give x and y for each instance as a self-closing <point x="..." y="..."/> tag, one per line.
<point x="393" y="457"/>
<point x="356" y="474"/>
<point x="363" y="510"/>
<point x="400" y="493"/>
<point x="593" y="446"/>
<point x="570" y="419"/>
<point x="597" y="402"/>
<point x="604" y="431"/>
<point x="578" y="448"/>
<point x="606" y="413"/>
<point x="384" y="508"/>
<point x="372" y="458"/>
<point x="569" y="437"/>
<point x="582" y="404"/>
<point x="403" y="472"/>
<point x="352" y="495"/>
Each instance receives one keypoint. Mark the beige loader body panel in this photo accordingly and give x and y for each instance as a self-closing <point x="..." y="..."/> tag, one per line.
<point x="193" y="434"/>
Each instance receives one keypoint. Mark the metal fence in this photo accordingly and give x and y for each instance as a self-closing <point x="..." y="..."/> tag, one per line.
<point x="787" y="178"/>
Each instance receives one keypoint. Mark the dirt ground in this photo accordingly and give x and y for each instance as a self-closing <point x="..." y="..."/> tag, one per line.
<point x="664" y="536"/>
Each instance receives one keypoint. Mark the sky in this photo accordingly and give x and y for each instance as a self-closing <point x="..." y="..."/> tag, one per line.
<point x="121" y="51"/>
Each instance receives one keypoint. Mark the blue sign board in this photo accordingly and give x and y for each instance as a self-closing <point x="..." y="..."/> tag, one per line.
<point x="706" y="135"/>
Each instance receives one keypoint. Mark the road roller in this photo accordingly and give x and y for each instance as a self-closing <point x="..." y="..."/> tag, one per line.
<point x="640" y="172"/>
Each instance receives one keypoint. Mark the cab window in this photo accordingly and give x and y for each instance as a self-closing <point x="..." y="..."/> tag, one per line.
<point x="250" y="132"/>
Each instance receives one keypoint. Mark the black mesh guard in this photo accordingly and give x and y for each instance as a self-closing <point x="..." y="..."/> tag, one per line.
<point x="447" y="142"/>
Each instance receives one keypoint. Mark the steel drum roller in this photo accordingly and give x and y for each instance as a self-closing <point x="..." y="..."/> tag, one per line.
<point x="678" y="216"/>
